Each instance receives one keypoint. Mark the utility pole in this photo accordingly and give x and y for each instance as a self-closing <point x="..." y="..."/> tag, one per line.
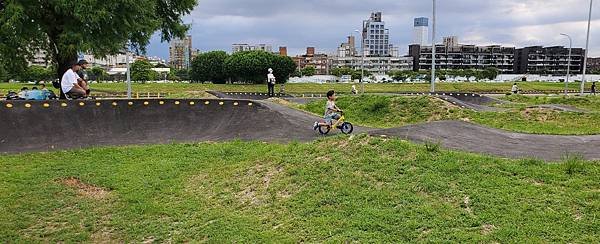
<point x="128" y="73"/>
<point x="433" y="47"/>
<point x="587" y="46"/>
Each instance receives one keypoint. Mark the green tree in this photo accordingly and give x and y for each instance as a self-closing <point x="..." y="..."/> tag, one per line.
<point x="491" y="73"/>
<point x="64" y="28"/>
<point x="183" y="74"/>
<point x="3" y="74"/>
<point x="36" y="73"/>
<point x="209" y="67"/>
<point x="141" y="70"/>
<point x="252" y="66"/>
<point x="309" y="71"/>
<point x="283" y="67"/>
<point x="98" y="74"/>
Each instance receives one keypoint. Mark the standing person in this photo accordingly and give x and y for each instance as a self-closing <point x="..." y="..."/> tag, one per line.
<point x="70" y="83"/>
<point x="515" y="89"/>
<point x="271" y="83"/>
<point x="593" y="89"/>
<point x="82" y="73"/>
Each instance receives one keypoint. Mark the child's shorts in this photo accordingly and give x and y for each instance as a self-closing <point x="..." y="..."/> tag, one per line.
<point x="333" y="116"/>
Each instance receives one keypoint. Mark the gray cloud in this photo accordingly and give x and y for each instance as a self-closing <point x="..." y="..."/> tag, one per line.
<point x="324" y="23"/>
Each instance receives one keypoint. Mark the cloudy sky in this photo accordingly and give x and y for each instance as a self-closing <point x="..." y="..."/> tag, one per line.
<point x="324" y="24"/>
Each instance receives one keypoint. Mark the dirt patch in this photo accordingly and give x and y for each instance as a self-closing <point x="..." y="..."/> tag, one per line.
<point x="86" y="190"/>
<point x="467" y="204"/>
<point x="487" y="229"/>
<point x="539" y="114"/>
<point x="260" y="179"/>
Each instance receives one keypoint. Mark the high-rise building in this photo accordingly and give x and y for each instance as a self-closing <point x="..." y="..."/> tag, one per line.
<point x="376" y="37"/>
<point x="180" y="53"/>
<point x="451" y="41"/>
<point x="421" y="32"/>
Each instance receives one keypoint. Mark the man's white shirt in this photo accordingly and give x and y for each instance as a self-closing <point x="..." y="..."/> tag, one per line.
<point x="68" y="80"/>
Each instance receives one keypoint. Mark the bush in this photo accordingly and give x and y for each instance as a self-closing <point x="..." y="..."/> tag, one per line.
<point x="209" y="67"/>
<point x="252" y="66"/>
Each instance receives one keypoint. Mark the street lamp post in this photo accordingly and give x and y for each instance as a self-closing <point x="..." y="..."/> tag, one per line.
<point x="128" y="73"/>
<point x="433" y="47"/>
<point x="569" y="64"/>
<point x="587" y="46"/>
<point x="362" y="63"/>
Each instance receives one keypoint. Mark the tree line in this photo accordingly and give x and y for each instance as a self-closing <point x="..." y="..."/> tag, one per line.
<point x="247" y="67"/>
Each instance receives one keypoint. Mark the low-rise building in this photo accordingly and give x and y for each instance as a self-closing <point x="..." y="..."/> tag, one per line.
<point x="375" y="65"/>
<point x="593" y="64"/>
<point x="548" y="60"/>
<point x="247" y="47"/>
<point x="453" y="56"/>
<point x="318" y="60"/>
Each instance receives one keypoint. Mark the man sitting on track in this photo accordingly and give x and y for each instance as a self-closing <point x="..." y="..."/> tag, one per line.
<point x="71" y="83"/>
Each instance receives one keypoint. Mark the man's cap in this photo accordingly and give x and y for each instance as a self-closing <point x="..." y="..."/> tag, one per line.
<point x="82" y="62"/>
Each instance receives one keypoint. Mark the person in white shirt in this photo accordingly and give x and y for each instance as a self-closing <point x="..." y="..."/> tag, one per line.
<point x="515" y="89"/>
<point x="70" y="83"/>
<point x="271" y="83"/>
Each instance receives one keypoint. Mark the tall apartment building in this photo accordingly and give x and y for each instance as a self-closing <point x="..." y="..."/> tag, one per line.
<point x="311" y="58"/>
<point x="180" y="53"/>
<point x="376" y="37"/>
<point x="247" y="47"/>
<point x="421" y="31"/>
<point x="464" y="57"/>
<point x="548" y="60"/>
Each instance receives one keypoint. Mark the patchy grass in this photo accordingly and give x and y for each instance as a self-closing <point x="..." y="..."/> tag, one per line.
<point x="360" y="189"/>
<point x="388" y="111"/>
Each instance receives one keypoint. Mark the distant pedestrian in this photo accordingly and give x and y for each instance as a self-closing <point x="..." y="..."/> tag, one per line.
<point x="593" y="92"/>
<point x="515" y="89"/>
<point x="271" y="83"/>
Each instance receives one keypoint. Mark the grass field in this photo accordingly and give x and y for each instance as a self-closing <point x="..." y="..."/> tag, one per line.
<point x="198" y="90"/>
<point x="387" y="112"/>
<point x="340" y="189"/>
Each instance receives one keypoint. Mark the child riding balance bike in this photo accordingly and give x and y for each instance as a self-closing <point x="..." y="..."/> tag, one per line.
<point x="332" y="112"/>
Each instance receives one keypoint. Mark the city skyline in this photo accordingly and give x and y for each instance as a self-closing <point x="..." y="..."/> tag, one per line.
<point x="323" y="24"/>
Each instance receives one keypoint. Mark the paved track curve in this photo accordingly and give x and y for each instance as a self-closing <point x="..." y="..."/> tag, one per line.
<point x="45" y="126"/>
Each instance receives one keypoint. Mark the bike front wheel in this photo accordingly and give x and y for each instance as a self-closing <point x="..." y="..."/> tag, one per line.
<point x="347" y="128"/>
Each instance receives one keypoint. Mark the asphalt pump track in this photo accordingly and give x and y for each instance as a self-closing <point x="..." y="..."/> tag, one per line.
<point x="34" y="126"/>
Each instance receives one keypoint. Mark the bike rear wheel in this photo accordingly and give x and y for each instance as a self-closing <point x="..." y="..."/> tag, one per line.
<point x="324" y="129"/>
<point x="347" y="128"/>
